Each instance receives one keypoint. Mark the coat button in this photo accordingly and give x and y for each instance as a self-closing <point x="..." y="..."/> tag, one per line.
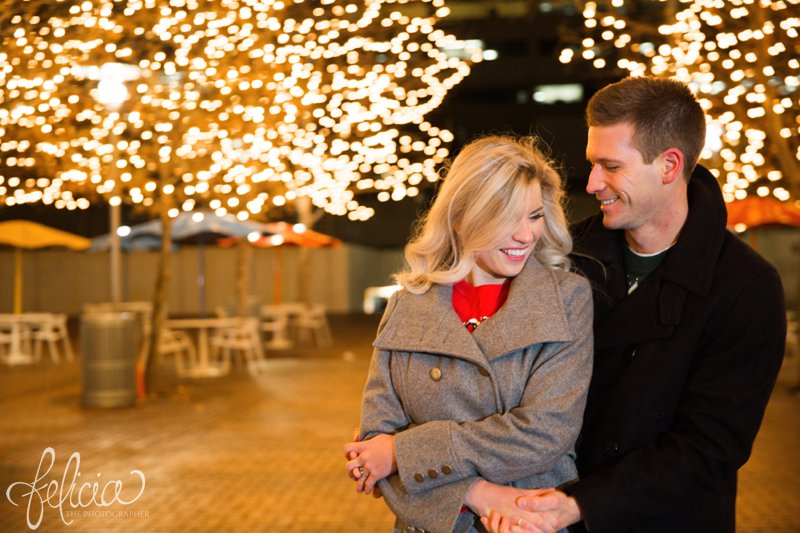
<point x="433" y="474"/>
<point x="419" y="478"/>
<point x="446" y="470"/>
<point x="483" y="372"/>
<point x="610" y="449"/>
<point x="436" y="374"/>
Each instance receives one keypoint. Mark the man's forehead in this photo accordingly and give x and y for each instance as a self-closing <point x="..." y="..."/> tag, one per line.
<point x="609" y="139"/>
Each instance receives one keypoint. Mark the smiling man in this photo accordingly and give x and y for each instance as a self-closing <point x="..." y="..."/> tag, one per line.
<point x="689" y="333"/>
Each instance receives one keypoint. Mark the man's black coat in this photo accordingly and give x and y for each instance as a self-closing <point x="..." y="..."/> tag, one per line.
<point x="683" y="370"/>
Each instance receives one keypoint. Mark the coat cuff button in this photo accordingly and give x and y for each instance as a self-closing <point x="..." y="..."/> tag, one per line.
<point x="419" y="478"/>
<point x="446" y="470"/>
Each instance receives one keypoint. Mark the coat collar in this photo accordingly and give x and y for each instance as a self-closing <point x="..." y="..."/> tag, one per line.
<point x="533" y="313"/>
<point x="655" y="308"/>
<point x="690" y="264"/>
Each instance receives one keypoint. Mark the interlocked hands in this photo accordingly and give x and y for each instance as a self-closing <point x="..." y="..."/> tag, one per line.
<point x="370" y="461"/>
<point x="510" y="510"/>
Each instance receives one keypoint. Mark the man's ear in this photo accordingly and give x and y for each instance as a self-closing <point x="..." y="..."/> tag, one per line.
<point x="672" y="161"/>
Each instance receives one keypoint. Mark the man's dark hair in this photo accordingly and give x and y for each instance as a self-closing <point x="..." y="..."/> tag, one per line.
<point x="663" y="112"/>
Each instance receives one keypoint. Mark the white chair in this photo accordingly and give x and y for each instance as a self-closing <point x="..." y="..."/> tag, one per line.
<point x="5" y="344"/>
<point x="313" y="323"/>
<point x="239" y="336"/>
<point x="52" y="328"/>
<point x="177" y="344"/>
<point x="294" y="312"/>
<point x="15" y="339"/>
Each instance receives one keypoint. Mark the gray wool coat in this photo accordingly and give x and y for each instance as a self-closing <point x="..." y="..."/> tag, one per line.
<point x="504" y="403"/>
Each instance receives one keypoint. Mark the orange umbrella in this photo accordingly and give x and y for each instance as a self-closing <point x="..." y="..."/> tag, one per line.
<point x="297" y="234"/>
<point x="755" y="211"/>
<point x="285" y="233"/>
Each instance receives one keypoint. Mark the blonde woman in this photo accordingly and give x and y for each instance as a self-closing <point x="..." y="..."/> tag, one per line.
<point x="482" y="361"/>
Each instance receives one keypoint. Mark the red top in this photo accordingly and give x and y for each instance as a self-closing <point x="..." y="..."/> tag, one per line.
<point x="473" y="305"/>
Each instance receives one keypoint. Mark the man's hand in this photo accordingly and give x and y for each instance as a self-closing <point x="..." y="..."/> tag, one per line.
<point x="550" y="507"/>
<point x="497" y="507"/>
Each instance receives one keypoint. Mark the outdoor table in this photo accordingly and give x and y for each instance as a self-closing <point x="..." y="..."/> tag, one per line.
<point x="294" y="312"/>
<point x="203" y="366"/>
<point x="275" y="320"/>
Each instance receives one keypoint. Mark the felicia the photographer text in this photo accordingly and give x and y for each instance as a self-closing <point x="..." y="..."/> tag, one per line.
<point x="69" y="492"/>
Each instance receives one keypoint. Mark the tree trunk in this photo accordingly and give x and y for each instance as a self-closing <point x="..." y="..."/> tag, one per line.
<point x="277" y="276"/>
<point x="159" y="302"/>
<point x="244" y="257"/>
<point x="306" y="217"/>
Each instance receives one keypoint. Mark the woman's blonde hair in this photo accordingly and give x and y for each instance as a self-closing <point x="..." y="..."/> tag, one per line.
<point x="479" y="203"/>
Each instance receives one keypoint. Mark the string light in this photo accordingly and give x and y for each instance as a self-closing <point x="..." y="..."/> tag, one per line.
<point x="238" y="105"/>
<point x="741" y="59"/>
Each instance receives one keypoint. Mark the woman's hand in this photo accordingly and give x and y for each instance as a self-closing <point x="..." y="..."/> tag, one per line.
<point x="500" y="513"/>
<point x="376" y="492"/>
<point x="370" y="461"/>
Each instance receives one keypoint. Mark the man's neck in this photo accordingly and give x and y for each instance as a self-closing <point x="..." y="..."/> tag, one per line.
<point x="647" y="245"/>
<point x="658" y="234"/>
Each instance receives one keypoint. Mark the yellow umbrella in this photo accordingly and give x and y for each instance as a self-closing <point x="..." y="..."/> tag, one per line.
<point x="24" y="234"/>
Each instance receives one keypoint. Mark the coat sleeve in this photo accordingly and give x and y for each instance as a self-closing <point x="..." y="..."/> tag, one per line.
<point x="437" y="510"/>
<point x="718" y="415"/>
<point x="381" y="409"/>
<point x="382" y="412"/>
<point x="530" y="438"/>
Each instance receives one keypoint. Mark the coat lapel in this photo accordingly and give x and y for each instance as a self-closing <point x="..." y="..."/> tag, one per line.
<point x="655" y="307"/>
<point x="637" y="317"/>
<point x="533" y="313"/>
<point x="427" y="323"/>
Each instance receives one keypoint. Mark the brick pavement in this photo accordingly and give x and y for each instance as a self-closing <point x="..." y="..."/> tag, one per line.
<point x="240" y="453"/>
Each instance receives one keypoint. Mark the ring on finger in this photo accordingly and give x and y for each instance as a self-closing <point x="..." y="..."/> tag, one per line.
<point x="361" y="473"/>
<point x="519" y="522"/>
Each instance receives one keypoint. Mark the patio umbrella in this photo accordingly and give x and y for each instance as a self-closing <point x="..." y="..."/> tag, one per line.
<point x="198" y="227"/>
<point x="139" y="243"/>
<point x="195" y="226"/>
<point x="754" y="211"/>
<point x="24" y="234"/>
<point x="281" y="234"/>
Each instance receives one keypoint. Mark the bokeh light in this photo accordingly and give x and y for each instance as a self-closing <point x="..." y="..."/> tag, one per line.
<point x="236" y="105"/>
